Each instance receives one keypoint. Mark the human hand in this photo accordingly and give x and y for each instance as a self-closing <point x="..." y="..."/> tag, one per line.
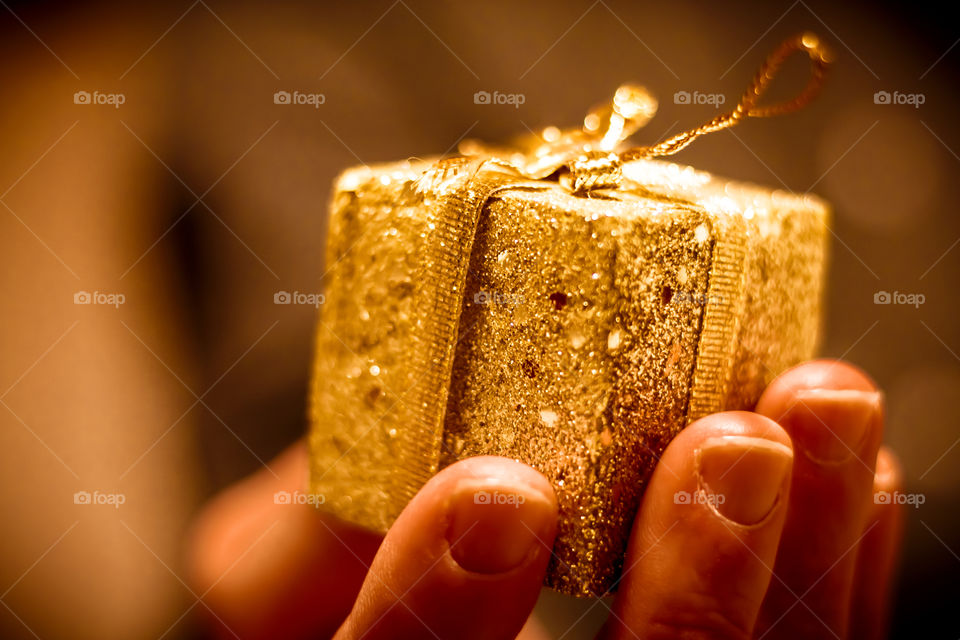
<point x="787" y="541"/>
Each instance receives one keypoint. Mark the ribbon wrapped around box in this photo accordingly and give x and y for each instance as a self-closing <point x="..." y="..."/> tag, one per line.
<point x="558" y="302"/>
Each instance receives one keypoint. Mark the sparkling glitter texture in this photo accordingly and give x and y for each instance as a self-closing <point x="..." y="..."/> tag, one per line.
<point x="586" y="332"/>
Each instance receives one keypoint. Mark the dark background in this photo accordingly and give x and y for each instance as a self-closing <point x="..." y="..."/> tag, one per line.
<point x="235" y="188"/>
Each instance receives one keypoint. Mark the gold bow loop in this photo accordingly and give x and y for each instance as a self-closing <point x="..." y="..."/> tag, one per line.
<point x="537" y="156"/>
<point x="591" y="157"/>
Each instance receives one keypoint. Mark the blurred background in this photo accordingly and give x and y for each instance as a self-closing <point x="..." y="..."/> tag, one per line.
<point x="158" y="189"/>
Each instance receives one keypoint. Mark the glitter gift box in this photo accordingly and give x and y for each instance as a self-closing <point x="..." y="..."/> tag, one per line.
<point x="474" y="309"/>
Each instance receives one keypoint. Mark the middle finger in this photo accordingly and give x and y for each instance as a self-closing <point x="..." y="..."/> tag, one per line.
<point x="833" y="415"/>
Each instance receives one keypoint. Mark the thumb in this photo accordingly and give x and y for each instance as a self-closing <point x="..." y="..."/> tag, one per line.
<point x="465" y="559"/>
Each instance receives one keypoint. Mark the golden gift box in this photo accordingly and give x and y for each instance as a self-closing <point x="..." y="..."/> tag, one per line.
<point x="561" y="303"/>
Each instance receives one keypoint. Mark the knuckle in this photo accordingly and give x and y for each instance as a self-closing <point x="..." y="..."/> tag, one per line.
<point x="701" y="629"/>
<point x="699" y="618"/>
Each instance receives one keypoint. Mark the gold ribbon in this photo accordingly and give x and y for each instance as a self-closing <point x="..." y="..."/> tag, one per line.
<point x="584" y="160"/>
<point x="588" y="159"/>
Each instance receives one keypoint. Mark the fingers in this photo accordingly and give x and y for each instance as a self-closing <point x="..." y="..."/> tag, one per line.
<point x="465" y="559"/>
<point x="876" y="557"/>
<point x="833" y="414"/>
<point x="276" y="569"/>
<point x="702" y="545"/>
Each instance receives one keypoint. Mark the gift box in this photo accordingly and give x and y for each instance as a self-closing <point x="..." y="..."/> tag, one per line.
<point x="565" y="305"/>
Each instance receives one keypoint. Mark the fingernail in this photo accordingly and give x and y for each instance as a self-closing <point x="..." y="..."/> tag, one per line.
<point x="743" y="477"/>
<point x="494" y="529"/>
<point x="830" y="425"/>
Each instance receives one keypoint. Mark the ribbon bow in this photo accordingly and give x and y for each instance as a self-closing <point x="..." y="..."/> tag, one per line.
<point x="590" y="158"/>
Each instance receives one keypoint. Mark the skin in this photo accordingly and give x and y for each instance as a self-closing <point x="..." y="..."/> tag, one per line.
<point x="786" y="540"/>
<point x="86" y="197"/>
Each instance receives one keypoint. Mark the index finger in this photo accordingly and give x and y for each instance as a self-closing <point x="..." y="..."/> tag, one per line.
<point x="266" y="564"/>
